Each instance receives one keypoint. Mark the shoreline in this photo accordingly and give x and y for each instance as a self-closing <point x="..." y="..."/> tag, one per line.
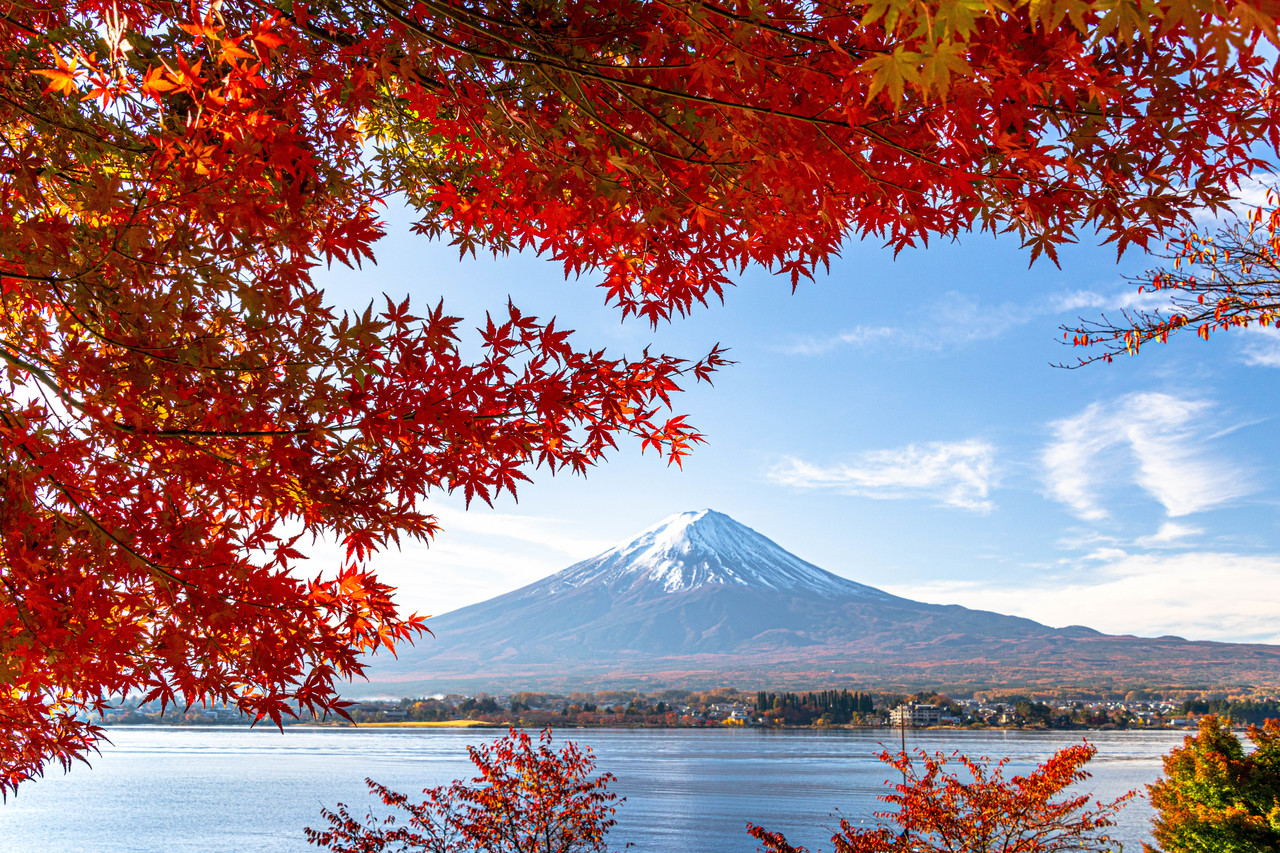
<point x="486" y="724"/>
<point x="410" y="724"/>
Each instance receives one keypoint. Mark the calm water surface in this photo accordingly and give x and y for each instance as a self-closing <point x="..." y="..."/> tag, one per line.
<point x="187" y="790"/>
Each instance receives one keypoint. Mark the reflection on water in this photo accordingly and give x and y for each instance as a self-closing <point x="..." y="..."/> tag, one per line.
<point x="185" y="790"/>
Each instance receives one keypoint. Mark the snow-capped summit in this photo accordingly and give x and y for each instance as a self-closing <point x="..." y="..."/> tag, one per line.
<point x="698" y="548"/>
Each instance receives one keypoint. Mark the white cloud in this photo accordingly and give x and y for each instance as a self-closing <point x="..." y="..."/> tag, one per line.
<point x="1171" y="534"/>
<point x="1068" y="463"/>
<point x="956" y="319"/>
<point x="1262" y="346"/>
<point x="958" y="474"/>
<point x="475" y="556"/>
<point x="857" y="336"/>
<point x="1199" y="596"/>
<point x="1104" y="555"/>
<point x="1126" y="298"/>
<point x="1251" y="193"/>
<point x="1156" y="441"/>
<point x="547" y="532"/>
<point x="959" y="319"/>
<point x="454" y="572"/>
<point x="1080" y="538"/>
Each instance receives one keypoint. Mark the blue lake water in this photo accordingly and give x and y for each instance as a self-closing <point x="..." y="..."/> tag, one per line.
<point x="187" y="790"/>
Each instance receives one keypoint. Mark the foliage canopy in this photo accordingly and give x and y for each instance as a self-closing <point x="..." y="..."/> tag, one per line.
<point x="182" y="405"/>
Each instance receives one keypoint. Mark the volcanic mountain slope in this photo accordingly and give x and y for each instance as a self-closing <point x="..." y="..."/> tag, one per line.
<point x="699" y="600"/>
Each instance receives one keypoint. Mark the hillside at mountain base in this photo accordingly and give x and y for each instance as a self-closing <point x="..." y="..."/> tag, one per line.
<point x="699" y="600"/>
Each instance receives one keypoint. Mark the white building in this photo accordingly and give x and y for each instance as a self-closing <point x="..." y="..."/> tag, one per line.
<point x="915" y="715"/>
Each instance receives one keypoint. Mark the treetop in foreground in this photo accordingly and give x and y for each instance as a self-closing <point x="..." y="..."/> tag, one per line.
<point x="977" y="810"/>
<point x="526" y="799"/>
<point x="1216" y="797"/>
<point x="184" y="409"/>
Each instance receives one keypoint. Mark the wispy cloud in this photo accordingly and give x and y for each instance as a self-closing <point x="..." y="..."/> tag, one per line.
<point x="857" y="336"/>
<point x="956" y="319"/>
<point x="1068" y="464"/>
<point x="1125" y="297"/>
<point x="457" y="570"/>
<point x="1251" y="193"/>
<point x="1196" y="595"/>
<point x="1155" y="441"/>
<point x="959" y="319"/>
<point x="553" y="533"/>
<point x="475" y="556"/>
<point x="1082" y="538"/>
<point x="1170" y="535"/>
<point x="1261" y="347"/>
<point x="958" y="474"/>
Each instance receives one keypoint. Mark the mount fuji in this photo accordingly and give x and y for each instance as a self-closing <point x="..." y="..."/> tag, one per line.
<point x="701" y="600"/>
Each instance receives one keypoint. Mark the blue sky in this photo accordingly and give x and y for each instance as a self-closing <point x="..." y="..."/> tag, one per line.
<point x="898" y="422"/>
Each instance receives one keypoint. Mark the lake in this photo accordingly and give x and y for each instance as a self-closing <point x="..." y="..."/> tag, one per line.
<point x="210" y="790"/>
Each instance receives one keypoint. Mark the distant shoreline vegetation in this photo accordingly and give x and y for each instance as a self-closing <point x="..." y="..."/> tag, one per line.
<point x="1173" y="708"/>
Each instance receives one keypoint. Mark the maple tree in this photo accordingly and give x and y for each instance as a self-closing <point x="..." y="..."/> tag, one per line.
<point x="526" y="799"/>
<point x="977" y="810"/>
<point x="1214" y="796"/>
<point x="182" y="404"/>
<point x="1212" y="282"/>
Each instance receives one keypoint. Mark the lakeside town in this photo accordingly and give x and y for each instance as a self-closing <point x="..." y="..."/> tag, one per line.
<point x="730" y="707"/>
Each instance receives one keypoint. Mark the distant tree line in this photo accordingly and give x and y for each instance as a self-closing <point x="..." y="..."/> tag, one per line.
<point x="1245" y="711"/>
<point x="837" y="707"/>
<point x="671" y="707"/>
<point x="676" y="707"/>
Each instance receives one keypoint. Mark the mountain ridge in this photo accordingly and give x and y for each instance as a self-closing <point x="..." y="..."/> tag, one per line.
<point x="698" y="599"/>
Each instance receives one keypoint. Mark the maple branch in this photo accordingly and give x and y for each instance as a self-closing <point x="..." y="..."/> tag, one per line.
<point x="693" y="144"/>
<point x="7" y="353"/>
<point x="44" y="118"/>
<point x="754" y="23"/>
<point x="1234" y="282"/>
<point x="491" y="27"/>
<point x="215" y="433"/>
<point x="147" y="352"/>
<point x="584" y="103"/>
<point x="559" y="64"/>
<point x="66" y="493"/>
<point x="169" y="572"/>
<point x="581" y="69"/>
<point x="8" y="19"/>
<point x="23" y="613"/>
<point x="10" y="353"/>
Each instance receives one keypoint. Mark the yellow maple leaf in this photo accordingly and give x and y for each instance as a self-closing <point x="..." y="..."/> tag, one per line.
<point x="61" y="79"/>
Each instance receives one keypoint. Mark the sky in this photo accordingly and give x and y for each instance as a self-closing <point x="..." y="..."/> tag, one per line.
<point x="900" y="422"/>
